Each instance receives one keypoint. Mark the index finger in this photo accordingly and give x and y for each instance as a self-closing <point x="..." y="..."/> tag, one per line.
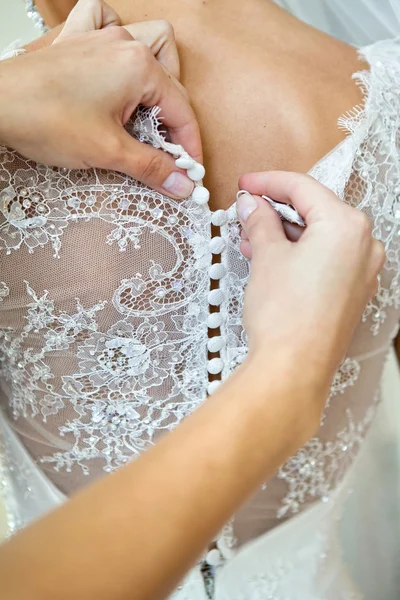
<point x="159" y="37"/>
<point x="88" y="15"/>
<point x="177" y="113"/>
<point x="311" y="199"/>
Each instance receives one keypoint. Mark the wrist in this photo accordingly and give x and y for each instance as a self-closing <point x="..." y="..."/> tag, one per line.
<point x="8" y="103"/>
<point x="286" y="377"/>
<point x="269" y="409"/>
<point x="23" y="110"/>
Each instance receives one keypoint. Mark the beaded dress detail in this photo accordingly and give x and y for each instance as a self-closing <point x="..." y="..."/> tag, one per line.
<point x="107" y="339"/>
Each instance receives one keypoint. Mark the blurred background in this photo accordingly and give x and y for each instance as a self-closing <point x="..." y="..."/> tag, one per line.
<point x="14" y="23"/>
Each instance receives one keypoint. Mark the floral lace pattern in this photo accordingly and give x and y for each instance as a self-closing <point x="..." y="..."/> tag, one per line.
<point x="363" y="171"/>
<point x="114" y="394"/>
<point x="4" y="291"/>
<point x="313" y="471"/>
<point x="105" y="305"/>
<point x="34" y="14"/>
<point x="345" y="376"/>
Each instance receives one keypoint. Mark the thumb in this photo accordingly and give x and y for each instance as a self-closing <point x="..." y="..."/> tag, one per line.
<point x="311" y="199"/>
<point x="261" y="224"/>
<point x="151" y="166"/>
<point x="88" y="15"/>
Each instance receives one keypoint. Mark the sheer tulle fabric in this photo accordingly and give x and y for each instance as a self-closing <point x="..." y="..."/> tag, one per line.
<point x="104" y="316"/>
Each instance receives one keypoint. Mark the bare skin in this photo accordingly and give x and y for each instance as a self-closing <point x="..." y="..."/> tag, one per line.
<point x="54" y="11"/>
<point x="94" y="561"/>
<point x="266" y="88"/>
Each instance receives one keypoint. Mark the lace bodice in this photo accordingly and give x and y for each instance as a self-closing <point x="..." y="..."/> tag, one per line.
<point x="110" y="333"/>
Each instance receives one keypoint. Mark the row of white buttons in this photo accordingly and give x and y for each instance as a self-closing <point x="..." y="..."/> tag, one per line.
<point x="217" y="271"/>
<point x="215" y="298"/>
<point x="201" y="196"/>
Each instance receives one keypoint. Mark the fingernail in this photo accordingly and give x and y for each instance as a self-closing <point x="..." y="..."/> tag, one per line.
<point x="178" y="185"/>
<point x="245" y="204"/>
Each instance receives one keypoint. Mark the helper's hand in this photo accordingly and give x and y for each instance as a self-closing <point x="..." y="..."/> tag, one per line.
<point x="158" y="36"/>
<point x="305" y="297"/>
<point x="66" y="105"/>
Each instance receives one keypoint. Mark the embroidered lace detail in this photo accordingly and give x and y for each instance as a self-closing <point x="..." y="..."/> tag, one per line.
<point x="28" y="374"/>
<point x="363" y="171"/>
<point x="14" y="49"/>
<point x="317" y="467"/>
<point x="14" y="484"/>
<point x="115" y="352"/>
<point x="6" y="490"/>
<point x="34" y="14"/>
<point x="143" y="373"/>
<point x="4" y="291"/>
<point x="345" y="376"/>
<point x="40" y="202"/>
<point x="374" y="185"/>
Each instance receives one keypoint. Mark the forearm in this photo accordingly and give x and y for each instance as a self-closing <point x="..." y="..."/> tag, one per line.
<point x="158" y="514"/>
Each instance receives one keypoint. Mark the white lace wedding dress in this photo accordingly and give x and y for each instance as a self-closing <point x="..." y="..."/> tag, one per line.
<point x="104" y="339"/>
<point x="357" y="22"/>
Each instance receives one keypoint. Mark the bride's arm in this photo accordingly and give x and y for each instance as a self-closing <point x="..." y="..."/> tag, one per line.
<point x="134" y="534"/>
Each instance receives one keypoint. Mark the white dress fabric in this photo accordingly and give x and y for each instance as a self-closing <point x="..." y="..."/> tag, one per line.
<point x="105" y="330"/>
<point x="356" y="22"/>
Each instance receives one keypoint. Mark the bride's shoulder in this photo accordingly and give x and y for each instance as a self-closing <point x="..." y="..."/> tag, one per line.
<point x="378" y="116"/>
<point x="383" y="58"/>
<point x="387" y="51"/>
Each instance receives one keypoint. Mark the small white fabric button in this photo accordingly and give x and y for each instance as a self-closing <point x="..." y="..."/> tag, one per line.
<point x="219" y="217"/>
<point x="196" y="172"/>
<point x="215" y="297"/>
<point x="215" y="366"/>
<point x="185" y="162"/>
<point x="214" y="320"/>
<point x="215" y="344"/>
<point x="200" y="195"/>
<point x="217" y="245"/>
<point x="212" y="386"/>
<point x="214" y="558"/>
<point x="217" y="271"/>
